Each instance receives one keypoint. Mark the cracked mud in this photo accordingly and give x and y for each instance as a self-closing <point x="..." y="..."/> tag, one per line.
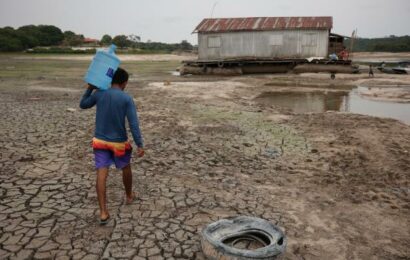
<point x="338" y="184"/>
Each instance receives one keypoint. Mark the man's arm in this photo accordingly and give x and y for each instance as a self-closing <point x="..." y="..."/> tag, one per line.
<point x="133" y="121"/>
<point x="88" y="100"/>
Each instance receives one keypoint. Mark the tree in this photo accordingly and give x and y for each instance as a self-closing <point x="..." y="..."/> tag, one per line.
<point x="10" y="44"/>
<point x="134" y="38"/>
<point x="9" y="40"/>
<point x="29" y="35"/>
<point x="72" y="39"/>
<point x="121" y="41"/>
<point x="106" y="40"/>
<point x="28" y="41"/>
<point x="50" y="35"/>
<point x="69" y="34"/>
<point x="186" y="46"/>
<point x="388" y="44"/>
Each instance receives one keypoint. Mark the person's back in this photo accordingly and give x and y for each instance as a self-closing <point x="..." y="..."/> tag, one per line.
<point x="110" y="142"/>
<point x="113" y="105"/>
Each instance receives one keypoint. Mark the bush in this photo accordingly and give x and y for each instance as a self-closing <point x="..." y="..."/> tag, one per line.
<point x="29" y="36"/>
<point x="57" y="50"/>
<point x="106" y="40"/>
<point x="32" y="36"/>
<point x="121" y="41"/>
<point x="50" y="35"/>
<point x="72" y="39"/>
<point x="387" y="44"/>
<point x="10" y="44"/>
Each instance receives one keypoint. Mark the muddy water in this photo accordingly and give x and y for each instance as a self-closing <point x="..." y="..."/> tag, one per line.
<point x="353" y="101"/>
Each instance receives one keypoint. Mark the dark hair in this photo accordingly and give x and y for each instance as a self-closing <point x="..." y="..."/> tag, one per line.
<point x="120" y="76"/>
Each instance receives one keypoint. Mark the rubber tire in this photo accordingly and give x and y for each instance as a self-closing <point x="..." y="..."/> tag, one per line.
<point x="215" y="233"/>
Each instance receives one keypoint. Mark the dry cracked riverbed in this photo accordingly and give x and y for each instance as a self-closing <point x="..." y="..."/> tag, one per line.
<point x="337" y="183"/>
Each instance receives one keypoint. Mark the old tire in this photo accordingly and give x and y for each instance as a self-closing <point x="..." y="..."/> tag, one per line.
<point x="219" y="238"/>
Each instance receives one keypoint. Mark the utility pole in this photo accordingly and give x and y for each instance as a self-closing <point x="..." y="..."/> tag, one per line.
<point x="213" y="9"/>
<point x="354" y="35"/>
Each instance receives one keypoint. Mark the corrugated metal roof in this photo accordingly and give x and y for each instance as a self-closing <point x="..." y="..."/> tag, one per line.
<point x="263" y="24"/>
<point x="339" y="35"/>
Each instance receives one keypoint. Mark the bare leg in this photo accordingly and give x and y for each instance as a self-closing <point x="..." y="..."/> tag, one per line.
<point x="102" y="174"/>
<point x="127" y="180"/>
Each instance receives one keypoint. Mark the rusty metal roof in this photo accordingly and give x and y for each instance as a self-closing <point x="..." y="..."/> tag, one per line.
<point x="263" y="24"/>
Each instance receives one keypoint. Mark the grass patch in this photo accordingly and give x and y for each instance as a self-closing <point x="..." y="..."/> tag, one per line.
<point x="259" y="134"/>
<point x="12" y="66"/>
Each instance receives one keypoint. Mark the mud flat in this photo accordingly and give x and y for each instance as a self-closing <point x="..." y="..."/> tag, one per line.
<point x="338" y="183"/>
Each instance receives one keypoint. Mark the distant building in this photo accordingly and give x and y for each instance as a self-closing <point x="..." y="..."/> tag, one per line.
<point x="264" y="37"/>
<point x="90" y="41"/>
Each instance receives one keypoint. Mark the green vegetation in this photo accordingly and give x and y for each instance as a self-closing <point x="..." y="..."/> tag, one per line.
<point x="167" y="47"/>
<point x="26" y="68"/>
<point x="251" y="128"/>
<point x="50" y="39"/>
<point x="65" y="50"/>
<point x="388" y="44"/>
<point x="32" y="37"/>
<point x="29" y="36"/>
<point x="134" y="43"/>
<point x="23" y="66"/>
<point x="72" y="39"/>
<point x="121" y="41"/>
<point x="61" y="50"/>
<point x="106" y="40"/>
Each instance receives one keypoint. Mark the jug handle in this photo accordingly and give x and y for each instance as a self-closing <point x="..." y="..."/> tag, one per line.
<point x="112" y="48"/>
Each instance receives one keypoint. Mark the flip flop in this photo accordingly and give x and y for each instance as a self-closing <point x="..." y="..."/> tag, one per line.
<point x="104" y="221"/>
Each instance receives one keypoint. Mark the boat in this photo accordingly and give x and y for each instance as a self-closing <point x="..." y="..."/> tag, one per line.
<point x="402" y="68"/>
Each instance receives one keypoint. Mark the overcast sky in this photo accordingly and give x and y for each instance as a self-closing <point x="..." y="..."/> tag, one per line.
<point x="174" y="20"/>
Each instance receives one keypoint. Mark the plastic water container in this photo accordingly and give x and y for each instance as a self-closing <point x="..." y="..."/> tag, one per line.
<point x="102" y="68"/>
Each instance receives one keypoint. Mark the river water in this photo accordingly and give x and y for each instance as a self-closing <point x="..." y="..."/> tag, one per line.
<point x="353" y="102"/>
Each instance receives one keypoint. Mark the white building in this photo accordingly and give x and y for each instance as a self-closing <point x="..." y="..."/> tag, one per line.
<point x="263" y="38"/>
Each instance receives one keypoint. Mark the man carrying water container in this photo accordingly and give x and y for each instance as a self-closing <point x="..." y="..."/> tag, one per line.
<point x="110" y="142"/>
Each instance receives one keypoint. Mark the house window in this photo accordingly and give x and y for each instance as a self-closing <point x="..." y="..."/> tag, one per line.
<point x="309" y="39"/>
<point x="214" y="42"/>
<point x="276" y="40"/>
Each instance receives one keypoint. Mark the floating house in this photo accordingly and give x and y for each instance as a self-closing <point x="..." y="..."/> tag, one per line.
<point x="265" y="38"/>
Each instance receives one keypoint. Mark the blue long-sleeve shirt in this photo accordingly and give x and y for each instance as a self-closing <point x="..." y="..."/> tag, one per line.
<point x="113" y="106"/>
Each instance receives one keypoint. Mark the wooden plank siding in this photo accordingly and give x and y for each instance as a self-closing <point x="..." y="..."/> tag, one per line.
<point x="278" y="44"/>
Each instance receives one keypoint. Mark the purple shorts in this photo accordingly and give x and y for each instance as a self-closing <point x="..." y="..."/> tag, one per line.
<point x="105" y="158"/>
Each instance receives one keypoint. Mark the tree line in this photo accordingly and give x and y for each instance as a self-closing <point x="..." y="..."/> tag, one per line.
<point x="29" y="36"/>
<point x="133" y="41"/>
<point x="386" y="44"/>
<point x="32" y="36"/>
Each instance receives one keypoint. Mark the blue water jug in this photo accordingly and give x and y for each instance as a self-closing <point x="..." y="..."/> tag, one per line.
<point x="102" y="68"/>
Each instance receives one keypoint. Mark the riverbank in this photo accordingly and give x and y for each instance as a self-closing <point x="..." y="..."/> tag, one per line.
<point x="337" y="183"/>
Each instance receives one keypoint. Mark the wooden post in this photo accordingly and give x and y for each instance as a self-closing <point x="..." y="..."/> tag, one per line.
<point x="354" y="35"/>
